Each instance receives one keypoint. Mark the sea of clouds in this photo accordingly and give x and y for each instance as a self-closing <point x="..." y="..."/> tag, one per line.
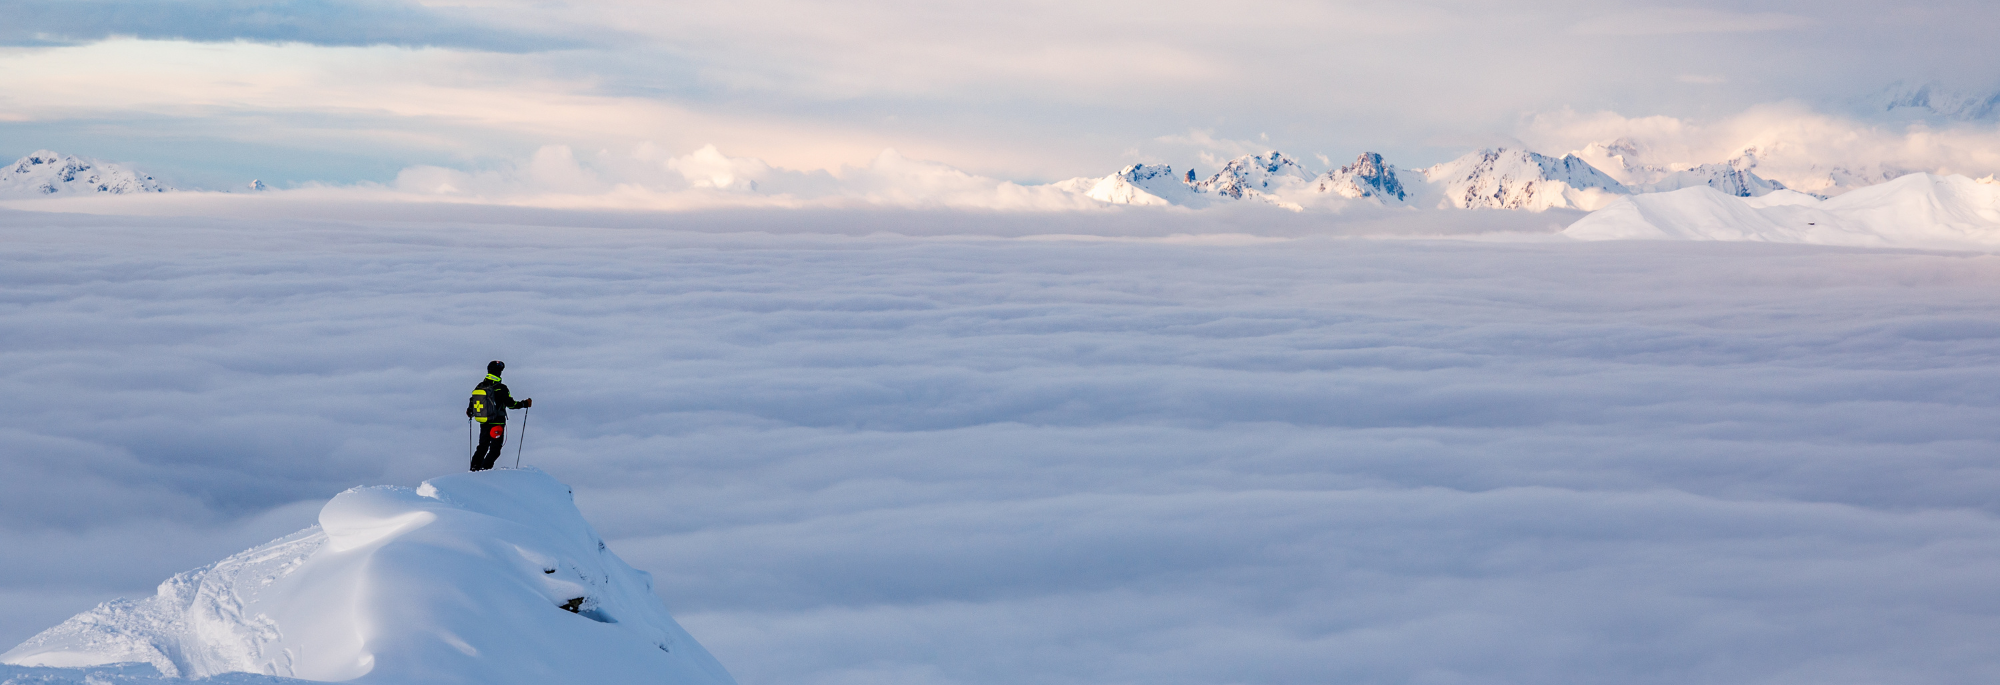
<point x="1163" y="448"/>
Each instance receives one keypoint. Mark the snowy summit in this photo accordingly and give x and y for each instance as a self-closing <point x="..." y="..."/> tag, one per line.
<point x="485" y="578"/>
<point x="50" y="173"/>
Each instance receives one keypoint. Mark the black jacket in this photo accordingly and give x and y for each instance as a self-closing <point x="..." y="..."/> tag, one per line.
<point x="496" y="392"/>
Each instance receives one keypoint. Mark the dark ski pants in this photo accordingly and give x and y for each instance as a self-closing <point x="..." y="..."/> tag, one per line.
<point x="491" y="437"/>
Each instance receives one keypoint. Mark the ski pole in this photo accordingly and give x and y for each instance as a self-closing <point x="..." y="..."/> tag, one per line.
<point x="524" y="438"/>
<point x="471" y="436"/>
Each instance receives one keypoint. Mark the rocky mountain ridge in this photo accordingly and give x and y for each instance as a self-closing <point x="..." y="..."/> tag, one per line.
<point x="1497" y="178"/>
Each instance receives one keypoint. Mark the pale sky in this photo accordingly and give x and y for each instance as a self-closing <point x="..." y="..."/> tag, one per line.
<point x="213" y="92"/>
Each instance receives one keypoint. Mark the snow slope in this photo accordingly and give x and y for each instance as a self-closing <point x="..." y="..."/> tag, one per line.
<point x="462" y="580"/>
<point x="1519" y="179"/>
<point x="49" y="173"/>
<point x="1916" y="210"/>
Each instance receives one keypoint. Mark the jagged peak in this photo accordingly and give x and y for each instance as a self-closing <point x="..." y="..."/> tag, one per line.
<point x="1367" y="177"/>
<point x="1506" y="178"/>
<point x="1269" y="162"/>
<point x="1254" y="174"/>
<point x="1136" y="173"/>
<point x="1139" y="184"/>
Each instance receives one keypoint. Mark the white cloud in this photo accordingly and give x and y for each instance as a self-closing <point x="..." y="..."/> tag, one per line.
<point x="647" y="178"/>
<point x="708" y="168"/>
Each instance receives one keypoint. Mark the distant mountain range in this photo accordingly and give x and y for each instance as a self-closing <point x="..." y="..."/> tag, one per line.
<point x="1500" y="178"/>
<point x="1488" y="179"/>
<point x="1937" y="100"/>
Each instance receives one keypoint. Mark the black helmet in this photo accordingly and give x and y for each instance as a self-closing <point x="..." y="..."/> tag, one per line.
<point x="494" y="367"/>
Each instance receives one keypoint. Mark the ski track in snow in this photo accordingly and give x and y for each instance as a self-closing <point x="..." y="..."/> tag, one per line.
<point x="923" y="460"/>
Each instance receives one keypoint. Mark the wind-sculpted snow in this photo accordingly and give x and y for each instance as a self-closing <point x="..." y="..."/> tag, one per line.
<point x="1174" y="448"/>
<point x="483" y="578"/>
<point x="1916" y="211"/>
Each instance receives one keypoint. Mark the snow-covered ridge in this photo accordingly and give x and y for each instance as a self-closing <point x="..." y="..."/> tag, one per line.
<point x="44" y="172"/>
<point x="478" y="578"/>
<point x="1142" y="184"/>
<point x="1495" y="179"/>
<point x="1500" y="178"/>
<point x="1270" y="174"/>
<point x="1519" y="179"/>
<point x="1916" y="210"/>
<point x="1619" y="159"/>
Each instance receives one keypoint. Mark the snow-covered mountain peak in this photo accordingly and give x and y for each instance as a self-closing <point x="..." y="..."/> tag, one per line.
<point x="1367" y="177"/>
<point x="1139" y="184"/>
<point x="1733" y="177"/>
<point x="487" y="578"/>
<point x="1623" y="160"/>
<point x="1270" y="173"/>
<point x="1519" y="179"/>
<point x="45" y="172"/>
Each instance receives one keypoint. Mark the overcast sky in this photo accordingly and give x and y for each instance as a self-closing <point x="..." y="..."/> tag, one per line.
<point x="215" y="92"/>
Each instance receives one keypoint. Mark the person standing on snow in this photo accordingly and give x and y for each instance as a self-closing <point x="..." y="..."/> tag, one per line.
<point x="488" y="406"/>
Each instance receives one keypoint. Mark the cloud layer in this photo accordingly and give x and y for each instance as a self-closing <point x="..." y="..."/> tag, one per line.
<point x="945" y="457"/>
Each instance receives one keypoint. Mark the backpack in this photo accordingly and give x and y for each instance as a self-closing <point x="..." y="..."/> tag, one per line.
<point x="481" y="407"/>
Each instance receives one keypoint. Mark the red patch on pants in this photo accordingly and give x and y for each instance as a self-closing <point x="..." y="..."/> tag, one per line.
<point x="495" y="432"/>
